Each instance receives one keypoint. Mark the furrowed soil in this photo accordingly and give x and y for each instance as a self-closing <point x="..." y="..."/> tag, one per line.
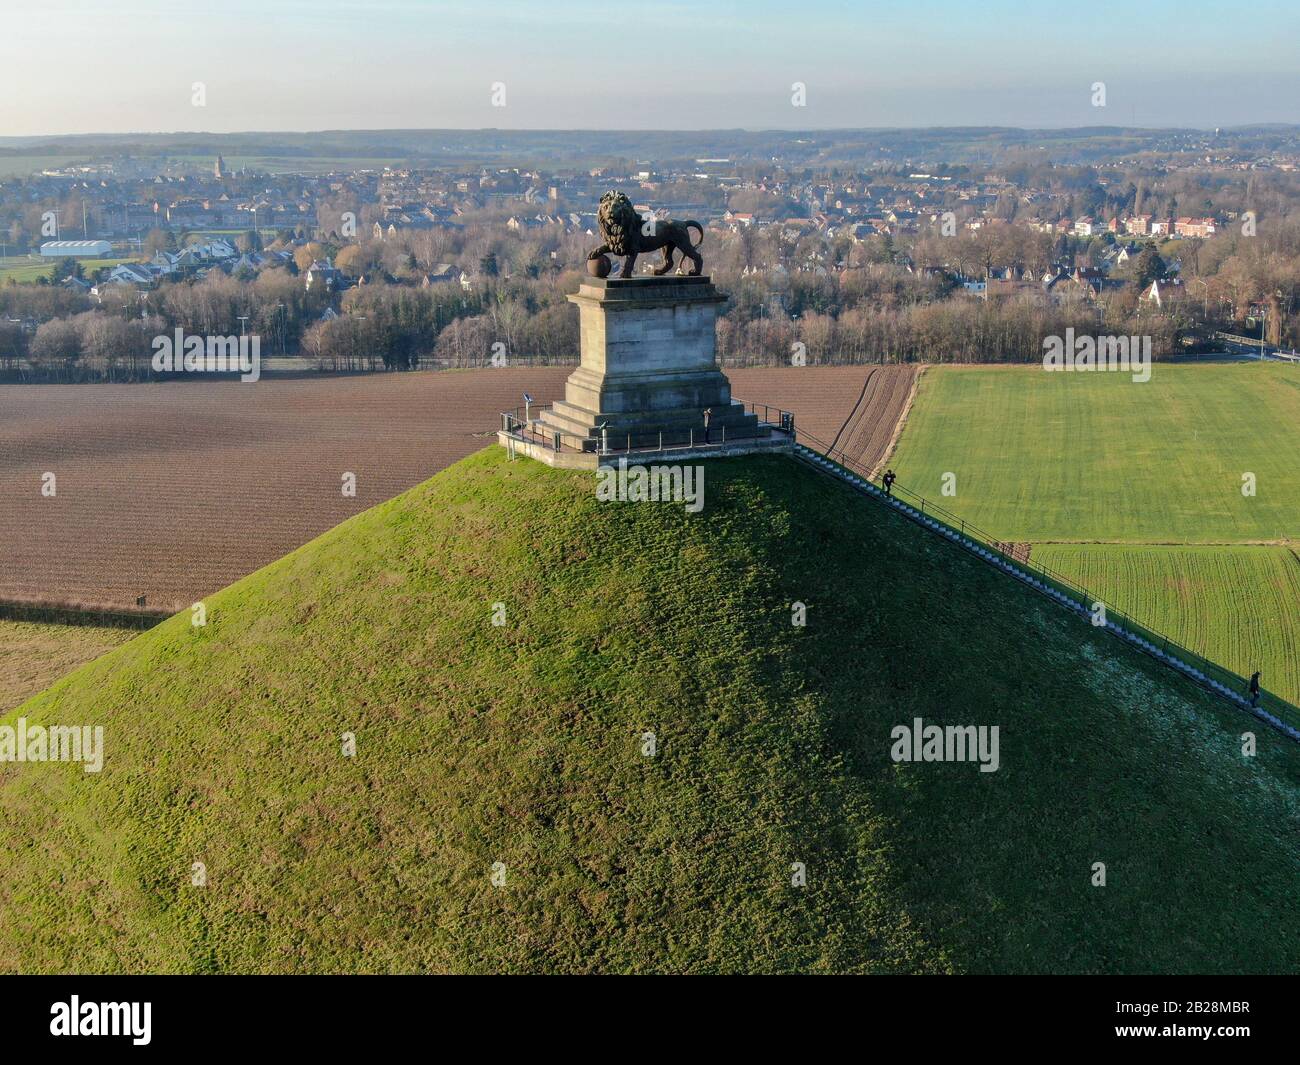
<point x="173" y="490"/>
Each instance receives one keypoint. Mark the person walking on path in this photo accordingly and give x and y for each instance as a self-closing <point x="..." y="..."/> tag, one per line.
<point x="888" y="481"/>
<point x="708" y="411"/>
<point x="1254" y="689"/>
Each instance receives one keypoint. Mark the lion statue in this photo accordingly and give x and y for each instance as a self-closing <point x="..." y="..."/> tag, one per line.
<point x="628" y="234"/>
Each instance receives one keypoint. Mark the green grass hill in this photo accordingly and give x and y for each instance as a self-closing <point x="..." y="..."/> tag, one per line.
<point x="518" y="751"/>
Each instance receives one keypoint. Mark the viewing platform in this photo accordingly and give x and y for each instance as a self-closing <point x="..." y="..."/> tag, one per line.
<point x="648" y="381"/>
<point x="773" y="429"/>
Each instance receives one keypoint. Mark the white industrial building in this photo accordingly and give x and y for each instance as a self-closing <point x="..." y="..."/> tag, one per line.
<point x="81" y="249"/>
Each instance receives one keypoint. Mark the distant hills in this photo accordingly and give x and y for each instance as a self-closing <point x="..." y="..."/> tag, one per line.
<point x="952" y="145"/>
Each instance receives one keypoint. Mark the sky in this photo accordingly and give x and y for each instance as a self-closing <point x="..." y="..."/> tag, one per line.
<point x="129" y="66"/>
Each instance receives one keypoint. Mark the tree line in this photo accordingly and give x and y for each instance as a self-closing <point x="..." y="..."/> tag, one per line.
<point x="883" y="299"/>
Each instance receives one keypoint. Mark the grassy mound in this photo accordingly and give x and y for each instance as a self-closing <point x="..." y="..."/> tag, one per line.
<point x="501" y="812"/>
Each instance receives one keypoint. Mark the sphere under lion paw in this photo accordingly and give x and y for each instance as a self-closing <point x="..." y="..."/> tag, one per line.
<point x="599" y="266"/>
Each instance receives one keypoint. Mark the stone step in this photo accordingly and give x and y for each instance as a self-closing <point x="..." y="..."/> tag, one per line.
<point x="728" y="414"/>
<point x="748" y="427"/>
<point x="576" y="424"/>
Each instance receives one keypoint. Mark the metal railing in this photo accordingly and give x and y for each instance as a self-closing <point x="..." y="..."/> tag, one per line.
<point x="784" y="421"/>
<point x="525" y="430"/>
<point x="1272" y="708"/>
<point x="1267" y="351"/>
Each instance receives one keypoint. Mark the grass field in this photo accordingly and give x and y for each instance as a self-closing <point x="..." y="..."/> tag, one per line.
<point x="33" y="656"/>
<point x="24" y="270"/>
<point x="1112" y="479"/>
<point x="1075" y="456"/>
<point x="1237" y="605"/>
<point x="22" y="165"/>
<point x="524" y="744"/>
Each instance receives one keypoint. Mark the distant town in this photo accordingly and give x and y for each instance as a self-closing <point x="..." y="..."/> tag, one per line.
<point x="397" y="267"/>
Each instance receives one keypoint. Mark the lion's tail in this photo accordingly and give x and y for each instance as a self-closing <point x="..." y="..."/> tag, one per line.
<point x="692" y="224"/>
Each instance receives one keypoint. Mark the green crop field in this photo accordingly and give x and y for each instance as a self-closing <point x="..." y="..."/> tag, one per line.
<point x="25" y="270"/>
<point x="22" y="165"/>
<point x="1076" y="456"/>
<point x="1236" y="605"/>
<point x="1111" y="479"/>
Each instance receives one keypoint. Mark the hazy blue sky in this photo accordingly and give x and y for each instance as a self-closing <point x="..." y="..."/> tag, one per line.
<point x="128" y="65"/>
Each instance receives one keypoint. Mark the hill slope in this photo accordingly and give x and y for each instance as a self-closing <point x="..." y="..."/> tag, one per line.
<point x="522" y="744"/>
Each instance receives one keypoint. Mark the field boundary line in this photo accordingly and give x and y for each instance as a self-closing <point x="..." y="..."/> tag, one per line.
<point x="49" y="613"/>
<point x="1284" y="544"/>
<point x="888" y="454"/>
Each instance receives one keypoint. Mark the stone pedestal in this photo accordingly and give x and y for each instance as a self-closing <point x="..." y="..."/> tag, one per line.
<point x="649" y="367"/>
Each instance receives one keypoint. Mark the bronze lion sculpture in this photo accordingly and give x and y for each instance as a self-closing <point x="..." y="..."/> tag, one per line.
<point x="628" y="234"/>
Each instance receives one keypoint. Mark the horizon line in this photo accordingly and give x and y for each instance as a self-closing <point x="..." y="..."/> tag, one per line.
<point x="1238" y="127"/>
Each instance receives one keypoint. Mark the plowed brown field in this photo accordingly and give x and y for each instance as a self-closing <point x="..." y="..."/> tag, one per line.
<point x="866" y="433"/>
<point x="174" y="490"/>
